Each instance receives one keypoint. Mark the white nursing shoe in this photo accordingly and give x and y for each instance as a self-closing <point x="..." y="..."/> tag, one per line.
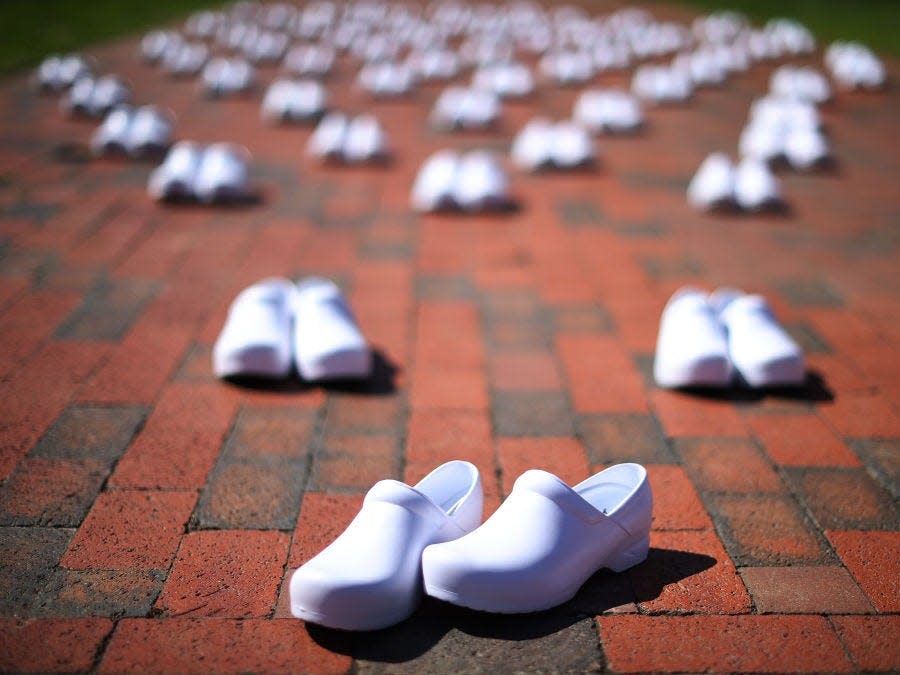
<point x="112" y="136"/>
<point x="328" y="344"/>
<point x="481" y="183"/>
<point x="544" y="542"/>
<point x="174" y="178"/>
<point x="256" y="337"/>
<point x="433" y="189"/>
<point x="692" y="345"/>
<point x="370" y="577"/>
<point x="532" y="148"/>
<point x="223" y="175"/>
<point x="713" y="184"/>
<point x="327" y="141"/>
<point x="761" y="351"/>
<point x="366" y="140"/>
<point x="755" y="186"/>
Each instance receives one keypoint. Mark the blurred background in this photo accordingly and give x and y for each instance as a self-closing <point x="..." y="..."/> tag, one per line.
<point x="33" y="29"/>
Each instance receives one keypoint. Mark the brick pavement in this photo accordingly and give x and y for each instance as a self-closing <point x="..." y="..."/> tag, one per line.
<point x="151" y="515"/>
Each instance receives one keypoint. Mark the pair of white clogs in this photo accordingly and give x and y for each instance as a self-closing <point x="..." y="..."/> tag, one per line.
<point x="567" y="66"/>
<point x="341" y="138"/>
<point x="506" y="80"/>
<point x="786" y="128"/>
<point x="94" y="97"/>
<point x="855" y="66"/>
<point x="275" y="326"/>
<point x="215" y="173"/>
<point x="465" y="108"/>
<point x="750" y="185"/>
<point x="471" y="182"/>
<point x="223" y="76"/>
<point x="661" y="84"/>
<point x="709" y="340"/>
<point x="58" y="73"/>
<point x="138" y="132"/>
<point x="386" y="79"/>
<point x="608" y="111"/>
<point x="801" y="82"/>
<point x="311" y="60"/>
<point x="294" y="101"/>
<point x="533" y="553"/>
<point x="542" y="144"/>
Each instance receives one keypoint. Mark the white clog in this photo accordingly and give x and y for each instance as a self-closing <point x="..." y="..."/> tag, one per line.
<point x="223" y="174"/>
<point x="370" y="577"/>
<point x="806" y="147"/>
<point x="762" y="352"/>
<point x="327" y="141"/>
<point x="150" y="132"/>
<point x="175" y="177"/>
<point x="713" y="184"/>
<point x="481" y="183"/>
<point x="755" y="186"/>
<point x="571" y="146"/>
<point x="112" y="136"/>
<point x="532" y="148"/>
<point x="366" y="141"/>
<point x="692" y="345"/>
<point x="328" y="343"/>
<point x="433" y="189"/>
<point x="544" y="542"/>
<point x="256" y="338"/>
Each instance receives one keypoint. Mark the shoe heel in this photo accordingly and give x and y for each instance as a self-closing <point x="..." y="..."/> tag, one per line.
<point x="634" y="554"/>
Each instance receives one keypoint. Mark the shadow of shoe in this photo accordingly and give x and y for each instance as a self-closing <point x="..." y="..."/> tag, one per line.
<point x="604" y="590"/>
<point x="381" y="382"/>
<point x="813" y="390"/>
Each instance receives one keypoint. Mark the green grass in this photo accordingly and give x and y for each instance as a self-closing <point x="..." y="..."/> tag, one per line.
<point x="32" y="29"/>
<point x="873" y="22"/>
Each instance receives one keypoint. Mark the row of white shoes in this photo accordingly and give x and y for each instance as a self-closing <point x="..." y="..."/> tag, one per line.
<point x="474" y="181"/>
<point x="719" y="338"/>
<point x="275" y="327"/>
<point x="751" y="185"/>
<point x="540" y="546"/>
<point x="341" y="138"/>
<point x="146" y="131"/>
<point x="216" y="173"/>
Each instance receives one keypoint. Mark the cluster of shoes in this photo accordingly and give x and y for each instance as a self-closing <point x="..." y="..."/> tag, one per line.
<point x="608" y="111"/>
<point x="854" y="66"/>
<point x="727" y="336"/>
<point x="465" y="108"/>
<point x="276" y="327"/>
<point x="288" y="100"/>
<point x="541" y="144"/>
<point x="352" y="140"/>
<point x="216" y="173"/>
<point x="533" y="553"/>
<point x="471" y="182"/>
<point x="141" y="132"/>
